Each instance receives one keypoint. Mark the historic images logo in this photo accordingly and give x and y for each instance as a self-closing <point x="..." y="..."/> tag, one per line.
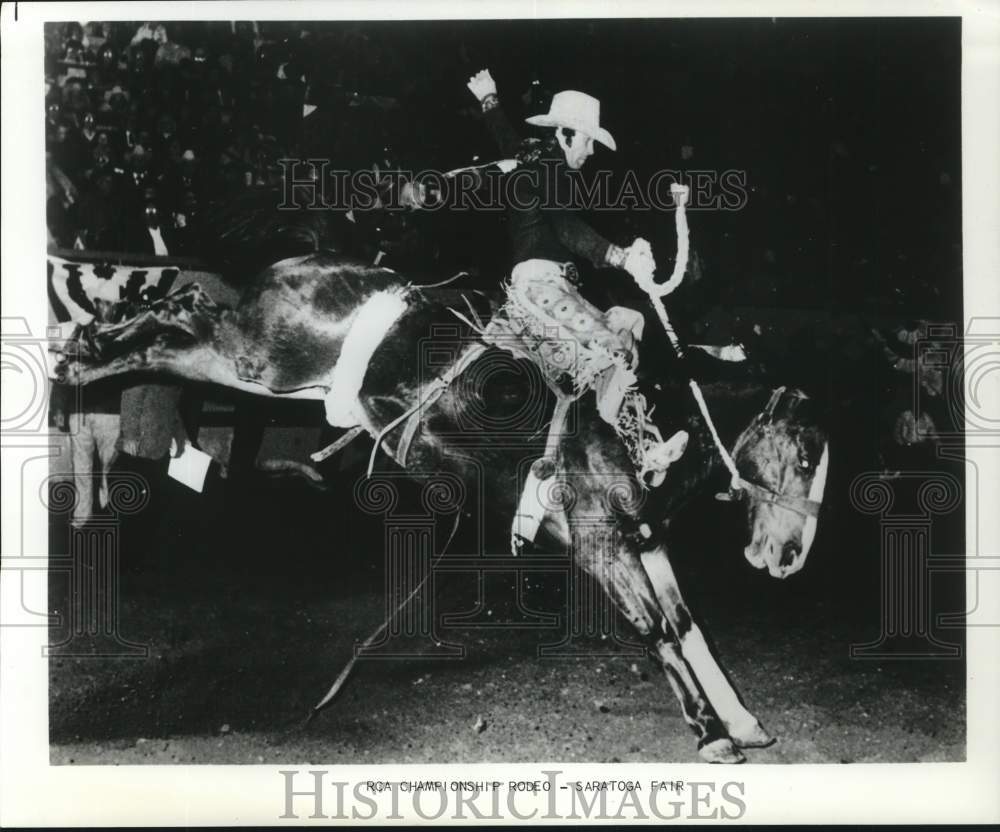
<point x="316" y="795"/>
<point x="312" y="184"/>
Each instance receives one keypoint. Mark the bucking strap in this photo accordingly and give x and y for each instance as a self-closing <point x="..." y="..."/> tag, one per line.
<point x="430" y="394"/>
<point x="373" y="320"/>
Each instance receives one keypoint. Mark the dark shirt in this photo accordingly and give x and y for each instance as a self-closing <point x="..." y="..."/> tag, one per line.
<point x="104" y="396"/>
<point x="100" y="222"/>
<point x="150" y="418"/>
<point x="543" y="231"/>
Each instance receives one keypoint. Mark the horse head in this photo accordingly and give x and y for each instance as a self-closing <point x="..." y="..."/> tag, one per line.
<point x="782" y="459"/>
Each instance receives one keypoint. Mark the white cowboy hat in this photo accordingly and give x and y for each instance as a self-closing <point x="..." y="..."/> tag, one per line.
<point x="577" y="110"/>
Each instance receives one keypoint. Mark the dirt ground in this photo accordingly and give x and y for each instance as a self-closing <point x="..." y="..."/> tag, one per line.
<point x="242" y="644"/>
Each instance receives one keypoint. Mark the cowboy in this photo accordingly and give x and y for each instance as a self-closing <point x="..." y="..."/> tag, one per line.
<point x="546" y="232"/>
<point x="540" y="295"/>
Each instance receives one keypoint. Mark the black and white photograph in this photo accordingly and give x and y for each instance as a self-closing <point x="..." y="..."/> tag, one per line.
<point x="502" y="410"/>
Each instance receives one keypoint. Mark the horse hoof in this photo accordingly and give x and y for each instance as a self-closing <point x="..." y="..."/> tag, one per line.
<point x="754" y="736"/>
<point x="721" y="751"/>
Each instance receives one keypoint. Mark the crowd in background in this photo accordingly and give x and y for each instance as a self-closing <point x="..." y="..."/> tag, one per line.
<point x="146" y="123"/>
<point x="149" y="123"/>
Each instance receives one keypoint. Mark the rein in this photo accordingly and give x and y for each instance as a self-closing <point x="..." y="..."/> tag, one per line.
<point x="739" y="487"/>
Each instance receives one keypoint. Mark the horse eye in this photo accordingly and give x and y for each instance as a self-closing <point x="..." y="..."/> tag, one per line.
<point x="804" y="463"/>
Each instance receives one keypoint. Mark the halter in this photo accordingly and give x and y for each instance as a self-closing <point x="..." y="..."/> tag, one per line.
<point x="742" y="488"/>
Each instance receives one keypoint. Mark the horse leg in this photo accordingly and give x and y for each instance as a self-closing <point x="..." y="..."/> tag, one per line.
<point x="622" y="576"/>
<point x="187" y="312"/>
<point x="202" y="361"/>
<point x="744" y="728"/>
<point x="185" y="334"/>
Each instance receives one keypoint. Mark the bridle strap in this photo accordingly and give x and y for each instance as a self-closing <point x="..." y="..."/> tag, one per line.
<point x="753" y="491"/>
<point x="800" y="505"/>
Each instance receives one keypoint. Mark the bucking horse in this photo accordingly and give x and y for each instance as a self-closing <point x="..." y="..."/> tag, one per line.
<point x="394" y="359"/>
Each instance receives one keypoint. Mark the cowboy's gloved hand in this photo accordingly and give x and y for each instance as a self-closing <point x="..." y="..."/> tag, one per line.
<point x="639" y="262"/>
<point x="482" y="84"/>
<point x="418" y="195"/>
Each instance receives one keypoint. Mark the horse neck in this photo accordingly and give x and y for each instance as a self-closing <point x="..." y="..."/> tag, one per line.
<point x="733" y="405"/>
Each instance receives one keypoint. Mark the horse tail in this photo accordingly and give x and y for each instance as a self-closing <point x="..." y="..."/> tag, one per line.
<point x="245" y="233"/>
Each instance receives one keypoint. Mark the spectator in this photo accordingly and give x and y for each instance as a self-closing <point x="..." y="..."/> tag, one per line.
<point x="150" y="426"/>
<point x="76" y="99"/>
<point x="89" y="133"/>
<point x="139" y="165"/>
<point x="93" y="431"/>
<point x="68" y="150"/>
<point x="166" y="132"/>
<point x="152" y="235"/>
<point x="187" y="226"/>
<point x="53" y="116"/>
<point x="107" y="69"/>
<point x="188" y="171"/>
<point x="95" y="35"/>
<point x="60" y="205"/>
<point x="150" y="31"/>
<point x="130" y="134"/>
<point x="101" y="214"/>
<point x="117" y="100"/>
<point x="196" y="112"/>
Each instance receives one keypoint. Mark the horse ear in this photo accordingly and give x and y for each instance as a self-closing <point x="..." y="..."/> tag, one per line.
<point x="795" y="401"/>
<point x="773" y="402"/>
<point x="812" y="408"/>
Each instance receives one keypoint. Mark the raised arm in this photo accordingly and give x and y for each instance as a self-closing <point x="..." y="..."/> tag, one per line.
<point x="484" y="88"/>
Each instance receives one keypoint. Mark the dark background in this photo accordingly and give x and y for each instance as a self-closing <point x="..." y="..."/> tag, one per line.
<point x="849" y="132"/>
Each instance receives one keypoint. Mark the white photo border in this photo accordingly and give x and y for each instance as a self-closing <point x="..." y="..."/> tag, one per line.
<point x="33" y="793"/>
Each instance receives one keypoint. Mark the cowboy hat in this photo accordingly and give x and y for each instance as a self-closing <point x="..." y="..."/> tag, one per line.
<point x="577" y="110"/>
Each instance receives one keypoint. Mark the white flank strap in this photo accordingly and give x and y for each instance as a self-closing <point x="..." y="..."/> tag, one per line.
<point x="371" y="324"/>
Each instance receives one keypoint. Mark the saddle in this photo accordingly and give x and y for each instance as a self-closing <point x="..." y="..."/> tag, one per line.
<point x="575" y="345"/>
<point x="577" y="348"/>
